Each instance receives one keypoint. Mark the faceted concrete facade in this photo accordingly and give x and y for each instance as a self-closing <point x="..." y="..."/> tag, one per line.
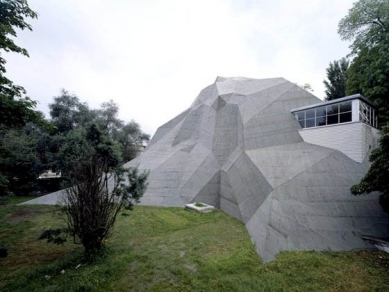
<point x="238" y="148"/>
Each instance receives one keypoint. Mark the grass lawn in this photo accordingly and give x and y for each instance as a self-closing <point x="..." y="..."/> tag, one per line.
<point x="172" y="249"/>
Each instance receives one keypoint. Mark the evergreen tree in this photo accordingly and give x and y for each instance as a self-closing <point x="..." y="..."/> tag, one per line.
<point x="337" y="79"/>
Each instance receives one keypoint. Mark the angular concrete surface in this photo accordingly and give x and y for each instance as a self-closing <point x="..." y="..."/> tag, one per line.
<point x="238" y="148"/>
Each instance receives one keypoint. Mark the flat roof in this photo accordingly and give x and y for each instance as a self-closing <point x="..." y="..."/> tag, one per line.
<point x="338" y="100"/>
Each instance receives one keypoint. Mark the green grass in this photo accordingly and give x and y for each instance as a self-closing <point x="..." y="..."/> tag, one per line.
<point x="172" y="249"/>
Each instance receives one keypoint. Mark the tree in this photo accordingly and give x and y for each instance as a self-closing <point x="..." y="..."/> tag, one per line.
<point x="14" y="108"/>
<point x="306" y="86"/>
<point x="96" y="186"/>
<point x="337" y="79"/>
<point x="107" y="117"/>
<point x="26" y="153"/>
<point x="369" y="75"/>
<point x="68" y="112"/>
<point x="367" y="25"/>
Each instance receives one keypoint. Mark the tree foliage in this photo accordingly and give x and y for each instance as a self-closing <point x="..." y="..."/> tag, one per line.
<point x="369" y="75"/>
<point x="131" y="140"/>
<point x="14" y="108"/>
<point x="337" y="79"/>
<point x="305" y="86"/>
<point x="367" y="25"/>
<point x="68" y="112"/>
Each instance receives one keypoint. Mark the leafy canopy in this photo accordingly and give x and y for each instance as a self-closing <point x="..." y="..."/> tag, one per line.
<point x="366" y="24"/>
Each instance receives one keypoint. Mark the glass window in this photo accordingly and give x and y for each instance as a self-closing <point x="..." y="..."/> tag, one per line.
<point x="345" y="117"/>
<point x="335" y="114"/>
<point x="345" y="106"/>
<point x="332" y="119"/>
<point x="309" y="114"/>
<point x="321" y="121"/>
<point x="309" y="123"/>
<point x="300" y="115"/>
<point x="321" y="111"/>
<point x="332" y="109"/>
<point x="367" y="114"/>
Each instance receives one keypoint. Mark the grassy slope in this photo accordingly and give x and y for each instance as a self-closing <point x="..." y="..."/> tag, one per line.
<point x="171" y="249"/>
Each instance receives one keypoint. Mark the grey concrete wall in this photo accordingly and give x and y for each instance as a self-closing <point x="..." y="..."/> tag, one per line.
<point x="239" y="148"/>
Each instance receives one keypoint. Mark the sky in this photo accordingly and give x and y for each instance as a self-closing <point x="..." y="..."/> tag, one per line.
<point x="153" y="57"/>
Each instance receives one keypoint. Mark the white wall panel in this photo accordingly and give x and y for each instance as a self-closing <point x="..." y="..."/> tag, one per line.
<point x="353" y="139"/>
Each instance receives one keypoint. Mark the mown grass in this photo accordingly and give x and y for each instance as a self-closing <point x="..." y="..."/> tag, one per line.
<point x="172" y="249"/>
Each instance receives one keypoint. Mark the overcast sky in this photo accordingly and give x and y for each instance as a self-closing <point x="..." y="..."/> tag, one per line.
<point x="153" y="57"/>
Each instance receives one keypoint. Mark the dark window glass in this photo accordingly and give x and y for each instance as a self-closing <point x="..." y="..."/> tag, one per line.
<point x="333" y="119"/>
<point x="300" y="115"/>
<point x="310" y="113"/>
<point x="302" y="123"/>
<point x="321" y="121"/>
<point x="332" y="109"/>
<point x="345" y="117"/>
<point x="309" y="123"/>
<point x="345" y="106"/>
<point x="321" y="111"/>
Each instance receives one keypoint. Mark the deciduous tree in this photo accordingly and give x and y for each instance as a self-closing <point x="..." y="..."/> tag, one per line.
<point x="68" y="112"/>
<point x="367" y="25"/>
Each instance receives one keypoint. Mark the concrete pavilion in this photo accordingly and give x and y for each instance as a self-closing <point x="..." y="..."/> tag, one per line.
<point x="275" y="157"/>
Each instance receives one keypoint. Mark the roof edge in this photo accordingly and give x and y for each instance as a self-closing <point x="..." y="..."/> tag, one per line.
<point x="346" y="98"/>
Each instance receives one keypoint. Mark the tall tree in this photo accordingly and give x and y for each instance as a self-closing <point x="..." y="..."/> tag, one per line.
<point x="367" y="25"/>
<point x="337" y="79"/>
<point x="15" y="108"/>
